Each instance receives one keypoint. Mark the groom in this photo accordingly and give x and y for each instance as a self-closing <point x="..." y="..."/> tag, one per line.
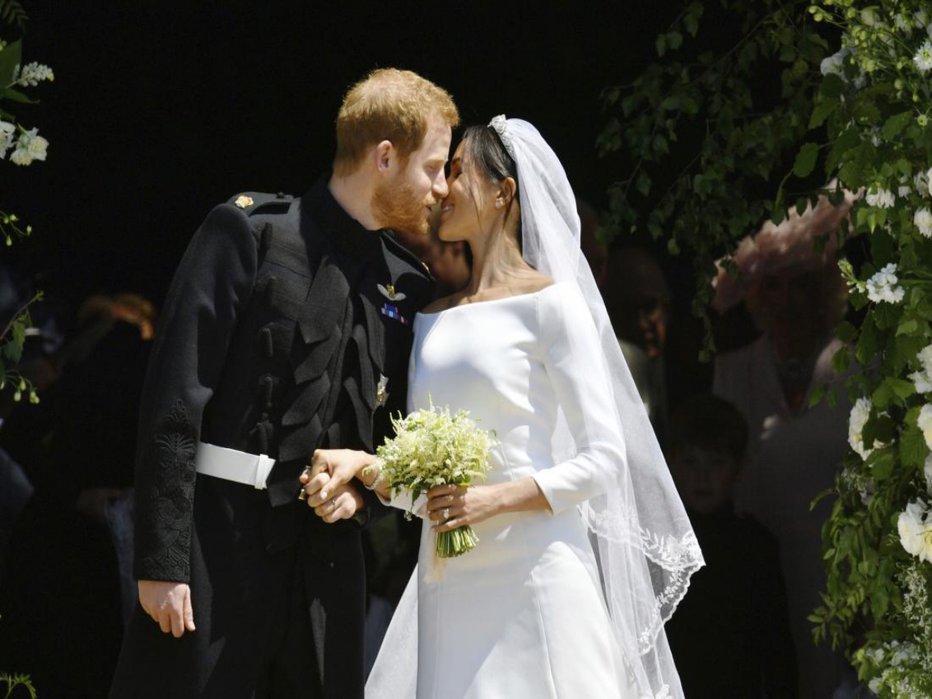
<point x="287" y="328"/>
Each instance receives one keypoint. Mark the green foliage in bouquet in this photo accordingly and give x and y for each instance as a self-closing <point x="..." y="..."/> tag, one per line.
<point x="434" y="447"/>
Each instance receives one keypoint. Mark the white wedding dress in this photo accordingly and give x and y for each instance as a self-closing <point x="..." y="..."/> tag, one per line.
<point x="523" y="614"/>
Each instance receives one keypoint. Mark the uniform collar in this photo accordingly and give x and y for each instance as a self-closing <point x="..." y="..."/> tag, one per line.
<point x="346" y="233"/>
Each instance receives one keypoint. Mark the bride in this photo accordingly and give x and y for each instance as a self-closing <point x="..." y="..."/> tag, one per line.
<point x="585" y="548"/>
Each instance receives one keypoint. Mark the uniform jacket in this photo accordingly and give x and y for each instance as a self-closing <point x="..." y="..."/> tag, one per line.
<point x="287" y="328"/>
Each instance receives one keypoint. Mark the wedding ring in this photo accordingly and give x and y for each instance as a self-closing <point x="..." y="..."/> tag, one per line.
<point x="445" y="513"/>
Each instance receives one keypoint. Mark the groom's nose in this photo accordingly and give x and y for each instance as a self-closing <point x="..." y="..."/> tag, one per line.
<point x="440" y="188"/>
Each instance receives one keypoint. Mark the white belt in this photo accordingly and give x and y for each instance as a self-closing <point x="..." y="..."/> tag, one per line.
<point x="233" y="465"/>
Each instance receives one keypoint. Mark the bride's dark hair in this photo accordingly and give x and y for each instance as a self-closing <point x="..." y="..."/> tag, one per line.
<point x="485" y="151"/>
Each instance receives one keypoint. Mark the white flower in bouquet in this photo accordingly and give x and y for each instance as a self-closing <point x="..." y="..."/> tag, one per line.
<point x="915" y="531"/>
<point x="927" y="472"/>
<point x="881" y="198"/>
<point x="30" y="146"/>
<point x="882" y="287"/>
<point x="925" y="423"/>
<point x="923" y="57"/>
<point x="869" y="16"/>
<point x="432" y="447"/>
<point x="923" y="221"/>
<point x="860" y="412"/>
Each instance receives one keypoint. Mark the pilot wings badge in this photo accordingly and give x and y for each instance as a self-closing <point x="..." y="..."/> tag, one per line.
<point x="391" y="293"/>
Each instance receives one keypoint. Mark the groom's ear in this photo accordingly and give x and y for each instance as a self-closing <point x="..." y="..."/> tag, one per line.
<point x="506" y="190"/>
<point x="384" y="154"/>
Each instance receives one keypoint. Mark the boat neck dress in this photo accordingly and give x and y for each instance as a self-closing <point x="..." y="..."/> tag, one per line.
<point x="523" y="614"/>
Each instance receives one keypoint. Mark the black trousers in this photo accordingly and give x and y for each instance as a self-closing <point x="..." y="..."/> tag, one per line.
<point x="279" y="603"/>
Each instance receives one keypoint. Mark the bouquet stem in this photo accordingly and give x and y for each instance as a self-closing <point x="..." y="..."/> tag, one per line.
<point x="457" y="542"/>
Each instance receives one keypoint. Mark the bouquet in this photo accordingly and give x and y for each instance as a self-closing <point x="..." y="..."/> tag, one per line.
<point x="432" y="447"/>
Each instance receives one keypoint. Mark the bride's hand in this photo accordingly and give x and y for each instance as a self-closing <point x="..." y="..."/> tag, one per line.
<point x="452" y="506"/>
<point x="329" y="470"/>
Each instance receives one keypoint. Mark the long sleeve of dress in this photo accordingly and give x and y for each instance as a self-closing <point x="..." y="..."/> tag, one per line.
<point x="582" y="386"/>
<point x="214" y="279"/>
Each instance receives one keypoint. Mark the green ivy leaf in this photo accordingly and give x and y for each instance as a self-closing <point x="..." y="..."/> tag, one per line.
<point x="882" y="397"/>
<point x="913" y="450"/>
<point x="841" y="360"/>
<point x="15" y="95"/>
<point x="10" y="58"/>
<point x="817" y="394"/>
<point x="822" y="111"/>
<point x="906" y="347"/>
<point x="806" y="160"/>
<point x="643" y="183"/>
<point x="832" y="87"/>
<point x="867" y="341"/>
<point x="846" y="332"/>
<point x="881" y="463"/>
<point x="12" y="350"/>
<point x="691" y="19"/>
<point x="879" y="601"/>
<point x="895" y="124"/>
<point x="19" y="329"/>
<point x="901" y="388"/>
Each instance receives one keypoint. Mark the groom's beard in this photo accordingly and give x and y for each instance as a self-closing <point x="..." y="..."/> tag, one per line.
<point x="397" y="207"/>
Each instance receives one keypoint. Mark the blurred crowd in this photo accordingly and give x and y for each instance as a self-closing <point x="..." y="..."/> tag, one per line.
<point x="747" y="448"/>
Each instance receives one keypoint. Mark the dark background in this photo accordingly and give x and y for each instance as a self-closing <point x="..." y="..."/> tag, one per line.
<point x="161" y="110"/>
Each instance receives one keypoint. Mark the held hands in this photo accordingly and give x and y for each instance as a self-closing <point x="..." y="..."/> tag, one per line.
<point x="169" y="605"/>
<point x="326" y="483"/>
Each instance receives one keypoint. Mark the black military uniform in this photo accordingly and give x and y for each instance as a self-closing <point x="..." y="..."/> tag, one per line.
<point x="287" y="328"/>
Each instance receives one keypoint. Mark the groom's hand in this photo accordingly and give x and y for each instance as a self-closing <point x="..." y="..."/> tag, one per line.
<point x="169" y="605"/>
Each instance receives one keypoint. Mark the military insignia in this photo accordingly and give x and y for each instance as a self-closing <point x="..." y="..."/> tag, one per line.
<point x="243" y="202"/>
<point x="390" y="310"/>
<point x="381" y="391"/>
<point x="392" y="294"/>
